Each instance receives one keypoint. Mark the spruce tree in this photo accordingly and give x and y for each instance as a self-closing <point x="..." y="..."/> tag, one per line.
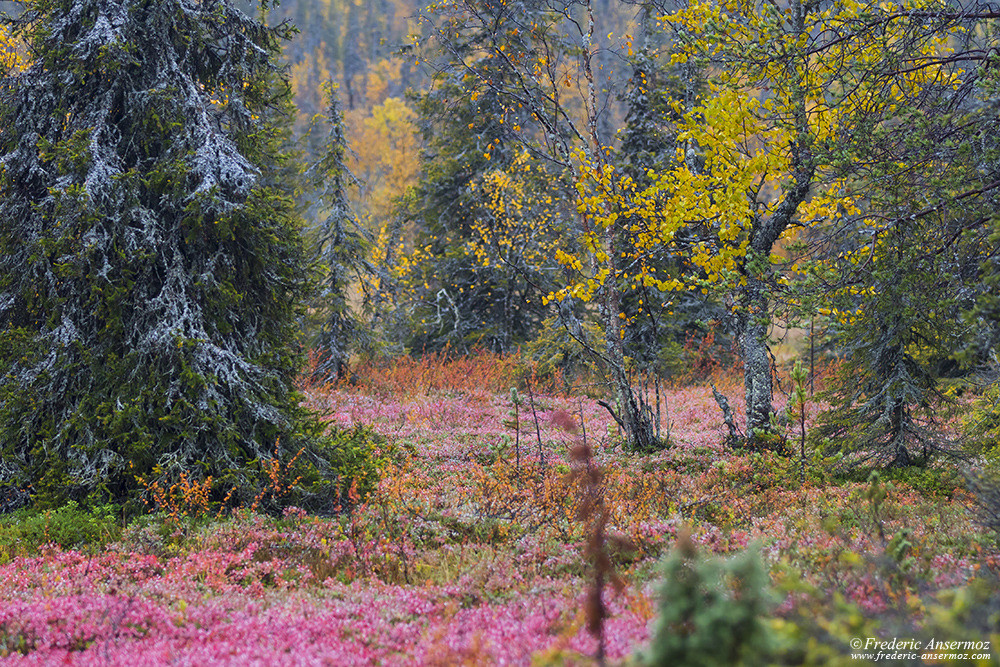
<point x="914" y="259"/>
<point x="900" y="336"/>
<point x="340" y="247"/>
<point x="456" y="302"/>
<point x="150" y="263"/>
<point x="712" y="611"/>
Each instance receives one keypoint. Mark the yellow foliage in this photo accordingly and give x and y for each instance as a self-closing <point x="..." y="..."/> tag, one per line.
<point x="785" y="84"/>
<point x="12" y="53"/>
<point x="390" y="163"/>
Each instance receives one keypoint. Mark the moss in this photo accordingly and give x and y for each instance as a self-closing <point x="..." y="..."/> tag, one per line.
<point x="25" y="532"/>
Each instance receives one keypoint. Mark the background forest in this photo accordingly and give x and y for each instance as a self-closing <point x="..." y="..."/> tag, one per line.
<point x="642" y="332"/>
<point x="628" y="187"/>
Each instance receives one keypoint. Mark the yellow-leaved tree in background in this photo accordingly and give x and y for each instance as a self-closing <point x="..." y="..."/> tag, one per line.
<point x="766" y="155"/>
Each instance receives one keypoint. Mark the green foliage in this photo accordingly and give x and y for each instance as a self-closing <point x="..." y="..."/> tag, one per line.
<point x="820" y="629"/>
<point x="981" y="426"/>
<point x="490" y="209"/>
<point x="24" y="532"/>
<point x="760" y="440"/>
<point x="939" y="481"/>
<point x="554" y="349"/>
<point x="971" y="612"/>
<point x="344" y="468"/>
<point x="881" y="404"/>
<point x="453" y="303"/>
<point x="479" y="216"/>
<point x="340" y="248"/>
<point x="712" y="611"/>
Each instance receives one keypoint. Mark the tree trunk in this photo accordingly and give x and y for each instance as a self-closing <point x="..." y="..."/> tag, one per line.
<point x="638" y="428"/>
<point x="753" y="314"/>
<point x="901" y="455"/>
<point x="752" y="325"/>
<point x="635" y="421"/>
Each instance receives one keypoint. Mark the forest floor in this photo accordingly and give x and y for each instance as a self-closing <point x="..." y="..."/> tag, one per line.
<point x="474" y="551"/>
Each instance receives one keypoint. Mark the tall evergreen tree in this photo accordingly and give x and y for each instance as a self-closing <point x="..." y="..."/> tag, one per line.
<point x="916" y="258"/>
<point x="458" y="302"/>
<point x="340" y="246"/>
<point x="883" y="408"/>
<point x="150" y="265"/>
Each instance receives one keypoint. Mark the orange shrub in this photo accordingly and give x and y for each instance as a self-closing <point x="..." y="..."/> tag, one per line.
<point x="477" y="372"/>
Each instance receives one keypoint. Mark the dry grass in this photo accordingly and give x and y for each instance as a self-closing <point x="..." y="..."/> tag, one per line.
<point x="480" y="372"/>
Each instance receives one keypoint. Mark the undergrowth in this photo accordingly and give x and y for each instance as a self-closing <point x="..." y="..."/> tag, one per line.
<point x="496" y="505"/>
<point x="24" y="532"/>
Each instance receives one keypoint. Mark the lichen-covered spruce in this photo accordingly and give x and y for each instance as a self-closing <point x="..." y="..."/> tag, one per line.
<point x="150" y="264"/>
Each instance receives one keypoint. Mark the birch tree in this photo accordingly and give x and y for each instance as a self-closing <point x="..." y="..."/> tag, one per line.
<point x="539" y="60"/>
<point x="781" y="143"/>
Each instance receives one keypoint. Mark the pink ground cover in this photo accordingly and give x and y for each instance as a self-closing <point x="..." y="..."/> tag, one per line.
<point x="470" y="552"/>
<point x="121" y="609"/>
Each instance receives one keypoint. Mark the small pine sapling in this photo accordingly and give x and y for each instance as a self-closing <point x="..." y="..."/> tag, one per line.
<point x="712" y="611"/>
